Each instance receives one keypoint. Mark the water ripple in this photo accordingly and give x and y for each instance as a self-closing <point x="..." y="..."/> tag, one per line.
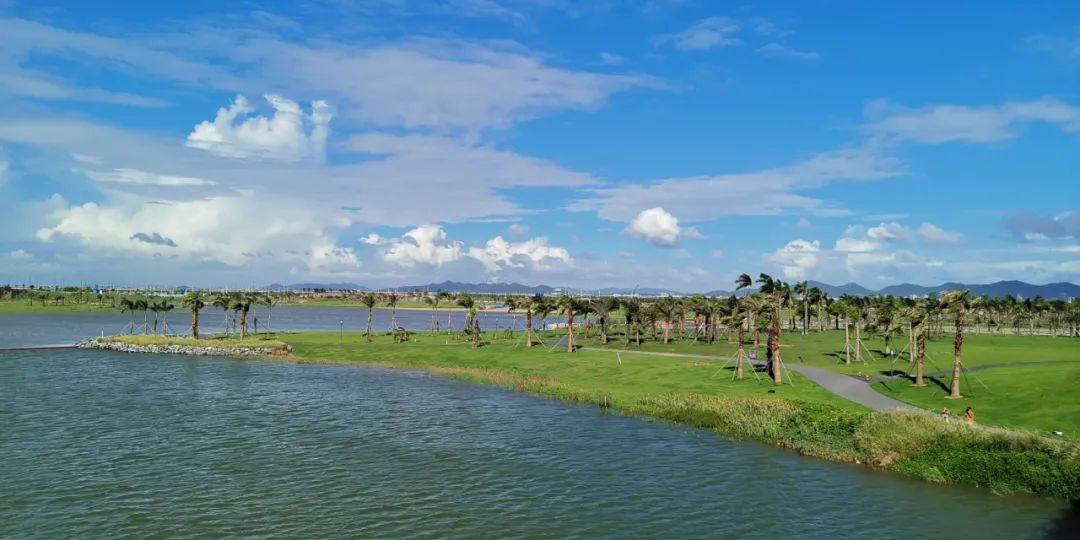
<point x="100" y="444"/>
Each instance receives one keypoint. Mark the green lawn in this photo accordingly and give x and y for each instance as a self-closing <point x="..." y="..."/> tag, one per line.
<point x="20" y="306"/>
<point x="1041" y="397"/>
<point x="826" y="350"/>
<point x="261" y="341"/>
<point x="591" y="372"/>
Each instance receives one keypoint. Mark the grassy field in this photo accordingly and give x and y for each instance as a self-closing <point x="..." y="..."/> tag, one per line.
<point x="1041" y="397"/>
<point x="800" y="416"/>
<point x="20" y="306"/>
<point x="595" y="372"/>
<point x="252" y="342"/>
<point x="826" y="350"/>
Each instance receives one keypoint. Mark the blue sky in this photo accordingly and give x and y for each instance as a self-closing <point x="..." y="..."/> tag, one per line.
<point x="664" y="143"/>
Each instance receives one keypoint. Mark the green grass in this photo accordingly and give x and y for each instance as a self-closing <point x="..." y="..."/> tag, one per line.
<point x="253" y="342"/>
<point x="20" y="306"/>
<point x="801" y="416"/>
<point x="1041" y="397"/>
<point x="826" y="350"/>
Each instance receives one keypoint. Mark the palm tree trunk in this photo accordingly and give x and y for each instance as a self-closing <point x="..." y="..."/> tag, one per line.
<point x="858" y="341"/>
<point x="195" y="323"/>
<point x="958" y="346"/>
<point x="847" y="342"/>
<point x="570" y="331"/>
<point x="741" y="354"/>
<point x="920" y="359"/>
<point x="774" y="344"/>
<point x="368" y="333"/>
<point x="528" y="328"/>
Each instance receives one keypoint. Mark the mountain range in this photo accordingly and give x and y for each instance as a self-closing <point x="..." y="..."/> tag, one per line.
<point x="1060" y="290"/>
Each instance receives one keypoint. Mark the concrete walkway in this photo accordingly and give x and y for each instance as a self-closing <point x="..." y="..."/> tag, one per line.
<point x="845" y="386"/>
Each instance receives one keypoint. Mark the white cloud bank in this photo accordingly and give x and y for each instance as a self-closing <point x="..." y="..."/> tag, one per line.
<point x="705" y="34"/>
<point x="430" y="245"/>
<point x="937" y="124"/>
<point x="289" y="135"/>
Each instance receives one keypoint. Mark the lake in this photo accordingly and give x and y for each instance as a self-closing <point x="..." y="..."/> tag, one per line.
<point x="99" y="443"/>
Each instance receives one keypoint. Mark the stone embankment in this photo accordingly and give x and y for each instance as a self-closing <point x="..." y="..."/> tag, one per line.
<point x="181" y="349"/>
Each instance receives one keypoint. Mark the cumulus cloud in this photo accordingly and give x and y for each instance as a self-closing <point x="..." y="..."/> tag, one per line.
<point x="517" y="229"/>
<point x="656" y="226"/>
<point x="135" y="176"/>
<point x="426" y="244"/>
<point x="288" y="135"/>
<point x="936" y="235"/>
<point x="705" y="34"/>
<point x="20" y="255"/>
<point x="536" y="254"/>
<point x="373" y="239"/>
<point x="796" y="257"/>
<point x="227" y="229"/>
<point x="890" y="232"/>
<point x="957" y="123"/>
<point x="776" y="50"/>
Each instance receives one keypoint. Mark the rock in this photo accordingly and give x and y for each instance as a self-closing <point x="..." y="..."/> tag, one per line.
<point x="175" y="349"/>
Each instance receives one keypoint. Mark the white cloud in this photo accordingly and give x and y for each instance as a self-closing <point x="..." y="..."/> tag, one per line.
<point x="657" y="226"/>
<point x="3" y="169"/>
<point x="135" y="176"/>
<point x="777" y="50"/>
<point x="936" y="235"/>
<point x="957" y="123"/>
<point x="283" y="136"/>
<point x="517" y="229"/>
<point x="373" y="239"/>
<point x="759" y="193"/>
<point x="796" y="257"/>
<point x="705" y="34"/>
<point x="426" y="244"/>
<point x="230" y="230"/>
<point x="498" y="254"/>
<point x="889" y="232"/>
<point x="856" y="245"/>
<point x="20" y="255"/>
<point x="717" y="254"/>
<point x="803" y="223"/>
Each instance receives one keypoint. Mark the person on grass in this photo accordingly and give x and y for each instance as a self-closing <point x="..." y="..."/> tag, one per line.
<point x="969" y="415"/>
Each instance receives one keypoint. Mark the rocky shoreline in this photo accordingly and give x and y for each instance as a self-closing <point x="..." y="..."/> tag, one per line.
<point x="180" y="349"/>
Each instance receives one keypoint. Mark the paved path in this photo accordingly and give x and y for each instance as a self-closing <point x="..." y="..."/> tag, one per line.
<point x="845" y="386"/>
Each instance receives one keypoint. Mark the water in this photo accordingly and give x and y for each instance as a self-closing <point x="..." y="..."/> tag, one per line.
<point x="64" y="328"/>
<point x="98" y="443"/>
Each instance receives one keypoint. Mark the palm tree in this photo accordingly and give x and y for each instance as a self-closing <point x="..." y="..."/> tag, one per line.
<point x="241" y="305"/>
<point x="530" y="304"/>
<point x="128" y="306"/>
<point x="369" y="300"/>
<point x="802" y="289"/>
<point x="632" y="309"/>
<point x="143" y="306"/>
<point x="466" y="301"/>
<point x="603" y="309"/>
<point x="667" y="309"/>
<point x="543" y="308"/>
<point x="434" y="301"/>
<point x="194" y="302"/>
<point x="569" y="305"/>
<point x="391" y="302"/>
<point x="475" y="328"/>
<point x="958" y="303"/>
<point x="777" y="291"/>
<point x="740" y="319"/>
<point x="224" y="302"/>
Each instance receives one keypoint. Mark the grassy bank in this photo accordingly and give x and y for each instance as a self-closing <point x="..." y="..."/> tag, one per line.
<point x="801" y="416"/>
<point x="253" y="342"/>
<point x="21" y="306"/>
<point x="1042" y="397"/>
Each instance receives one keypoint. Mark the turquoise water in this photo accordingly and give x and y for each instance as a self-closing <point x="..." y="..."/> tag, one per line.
<point x="97" y="444"/>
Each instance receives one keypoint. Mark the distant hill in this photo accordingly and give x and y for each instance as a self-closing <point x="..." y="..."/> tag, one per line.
<point x="1062" y="290"/>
